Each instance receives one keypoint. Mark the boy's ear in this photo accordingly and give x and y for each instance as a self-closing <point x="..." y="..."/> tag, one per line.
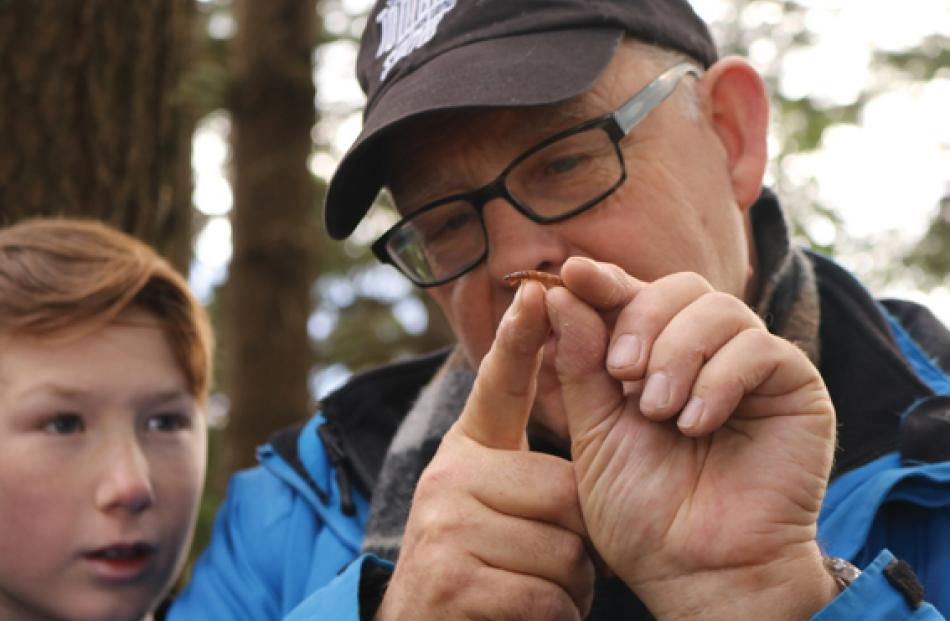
<point x="738" y="107"/>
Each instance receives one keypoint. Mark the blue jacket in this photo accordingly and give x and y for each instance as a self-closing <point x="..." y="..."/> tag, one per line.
<point x="286" y="544"/>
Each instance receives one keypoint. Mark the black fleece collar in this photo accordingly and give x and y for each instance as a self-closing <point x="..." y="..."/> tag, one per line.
<point x="871" y="383"/>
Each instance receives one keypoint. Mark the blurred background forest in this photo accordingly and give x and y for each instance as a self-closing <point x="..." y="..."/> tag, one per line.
<point x="210" y="127"/>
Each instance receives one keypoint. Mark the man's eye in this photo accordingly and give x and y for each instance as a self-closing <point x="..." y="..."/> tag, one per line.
<point x="454" y="223"/>
<point x="63" y="424"/>
<point x="168" y="422"/>
<point x="564" y="164"/>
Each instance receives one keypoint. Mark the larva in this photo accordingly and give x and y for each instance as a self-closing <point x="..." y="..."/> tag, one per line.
<point x="548" y="280"/>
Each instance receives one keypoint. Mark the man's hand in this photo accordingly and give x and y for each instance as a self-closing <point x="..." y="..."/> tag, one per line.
<point x="702" y="444"/>
<point x="495" y="531"/>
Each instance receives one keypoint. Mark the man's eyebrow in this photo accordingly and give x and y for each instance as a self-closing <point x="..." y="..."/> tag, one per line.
<point x="551" y="119"/>
<point x="417" y="192"/>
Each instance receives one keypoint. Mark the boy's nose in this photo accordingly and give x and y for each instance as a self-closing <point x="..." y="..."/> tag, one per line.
<point x="124" y="483"/>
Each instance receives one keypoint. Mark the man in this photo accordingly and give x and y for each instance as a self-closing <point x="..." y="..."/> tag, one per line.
<point x="681" y="434"/>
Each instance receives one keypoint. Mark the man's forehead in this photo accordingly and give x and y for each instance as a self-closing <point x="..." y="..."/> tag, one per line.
<point x="517" y="121"/>
<point x="446" y="131"/>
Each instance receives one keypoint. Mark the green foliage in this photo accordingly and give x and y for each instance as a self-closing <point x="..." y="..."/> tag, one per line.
<point x="931" y="255"/>
<point x="801" y="124"/>
<point x="924" y="61"/>
<point x="809" y="122"/>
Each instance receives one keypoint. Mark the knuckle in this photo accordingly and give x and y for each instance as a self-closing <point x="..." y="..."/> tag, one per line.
<point x="730" y="388"/>
<point x="439" y="532"/>
<point x="543" y="600"/>
<point x="685" y="281"/>
<point x="427" y="522"/>
<point x="445" y="477"/>
<point x="720" y="303"/>
<point x="572" y="552"/>
<point x="450" y="524"/>
<point x="648" y="310"/>
<point x="622" y="282"/>
<point x="761" y="340"/>
<point x="449" y="582"/>
<point x="724" y="300"/>
<point x="693" y="280"/>
<point x="437" y="476"/>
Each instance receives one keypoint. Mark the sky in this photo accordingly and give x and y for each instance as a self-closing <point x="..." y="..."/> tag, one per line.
<point x="884" y="176"/>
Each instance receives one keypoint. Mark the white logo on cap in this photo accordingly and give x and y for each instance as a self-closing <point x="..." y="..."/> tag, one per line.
<point x="406" y="26"/>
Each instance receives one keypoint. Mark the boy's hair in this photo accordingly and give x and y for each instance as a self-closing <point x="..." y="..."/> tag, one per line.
<point x="63" y="277"/>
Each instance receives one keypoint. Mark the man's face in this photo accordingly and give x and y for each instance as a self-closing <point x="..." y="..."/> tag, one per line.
<point x="676" y="211"/>
<point x="102" y="460"/>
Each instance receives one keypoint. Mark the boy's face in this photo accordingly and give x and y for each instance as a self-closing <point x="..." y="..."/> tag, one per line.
<point x="102" y="460"/>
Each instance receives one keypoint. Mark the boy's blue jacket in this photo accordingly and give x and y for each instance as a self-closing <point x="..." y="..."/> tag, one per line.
<point x="287" y="541"/>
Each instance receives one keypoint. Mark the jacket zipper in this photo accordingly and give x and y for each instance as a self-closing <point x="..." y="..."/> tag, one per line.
<point x="337" y="457"/>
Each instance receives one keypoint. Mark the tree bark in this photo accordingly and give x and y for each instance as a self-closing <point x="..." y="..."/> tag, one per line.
<point x="91" y="120"/>
<point x="268" y="301"/>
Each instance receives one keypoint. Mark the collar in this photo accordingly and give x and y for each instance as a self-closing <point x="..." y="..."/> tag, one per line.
<point x="870" y="381"/>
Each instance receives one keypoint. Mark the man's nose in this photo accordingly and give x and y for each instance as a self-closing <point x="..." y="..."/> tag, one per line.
<point x="517" y="243"/>
<point x="124" y="481"/>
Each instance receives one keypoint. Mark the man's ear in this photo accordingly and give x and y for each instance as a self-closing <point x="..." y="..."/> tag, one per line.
<point x="738" y="106"/>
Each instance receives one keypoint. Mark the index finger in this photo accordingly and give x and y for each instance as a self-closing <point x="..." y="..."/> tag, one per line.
<point x="498" y="407"/>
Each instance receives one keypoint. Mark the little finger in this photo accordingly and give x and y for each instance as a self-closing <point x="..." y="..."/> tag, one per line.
<point x="752" y="376"/>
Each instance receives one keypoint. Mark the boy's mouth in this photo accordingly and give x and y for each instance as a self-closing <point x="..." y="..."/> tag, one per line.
<point x="121" y="561"/>
<point x="121" y="551"/>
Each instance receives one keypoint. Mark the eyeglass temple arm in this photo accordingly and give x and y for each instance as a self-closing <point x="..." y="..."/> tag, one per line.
<point x="638" y="106"/>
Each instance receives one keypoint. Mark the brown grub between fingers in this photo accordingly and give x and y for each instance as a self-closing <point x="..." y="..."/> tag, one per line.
<point x="548" y="280"/>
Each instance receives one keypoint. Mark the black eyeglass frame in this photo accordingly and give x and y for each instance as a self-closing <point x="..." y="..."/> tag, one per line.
<point x="616" y="124"/>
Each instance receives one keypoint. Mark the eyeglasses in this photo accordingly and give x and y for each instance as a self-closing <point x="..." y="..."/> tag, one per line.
<point x="552" y="181"/>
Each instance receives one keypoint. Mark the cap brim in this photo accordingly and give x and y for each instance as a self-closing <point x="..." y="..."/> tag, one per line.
<point x="522" y="70"/>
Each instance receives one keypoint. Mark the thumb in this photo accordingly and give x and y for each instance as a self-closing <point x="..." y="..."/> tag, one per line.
<point x="500" y="403"/>
<point x="589" y="393"/>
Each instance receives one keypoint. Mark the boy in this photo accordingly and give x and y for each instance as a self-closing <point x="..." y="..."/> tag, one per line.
<point x="104" y="372"/>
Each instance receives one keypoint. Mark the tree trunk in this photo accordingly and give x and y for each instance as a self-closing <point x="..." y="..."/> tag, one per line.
<point x="267" y="350"/>
<point x="91" y="120"/>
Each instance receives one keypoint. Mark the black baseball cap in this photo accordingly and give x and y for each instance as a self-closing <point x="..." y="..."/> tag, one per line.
<point x="420" y="56"/>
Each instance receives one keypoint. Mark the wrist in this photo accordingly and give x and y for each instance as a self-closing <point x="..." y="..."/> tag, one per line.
<point x="792" y="587"/>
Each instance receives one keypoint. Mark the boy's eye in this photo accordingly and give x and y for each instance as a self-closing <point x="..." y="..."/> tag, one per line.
<point x="168" y="422"/>
<point x="63" y="424"/>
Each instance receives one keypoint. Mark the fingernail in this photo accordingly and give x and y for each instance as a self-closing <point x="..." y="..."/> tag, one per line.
<point x="691" y="414"/>
<point x="587" y="260"/>
<point x="625" y="352"/>
<point x="656" y="394"/>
